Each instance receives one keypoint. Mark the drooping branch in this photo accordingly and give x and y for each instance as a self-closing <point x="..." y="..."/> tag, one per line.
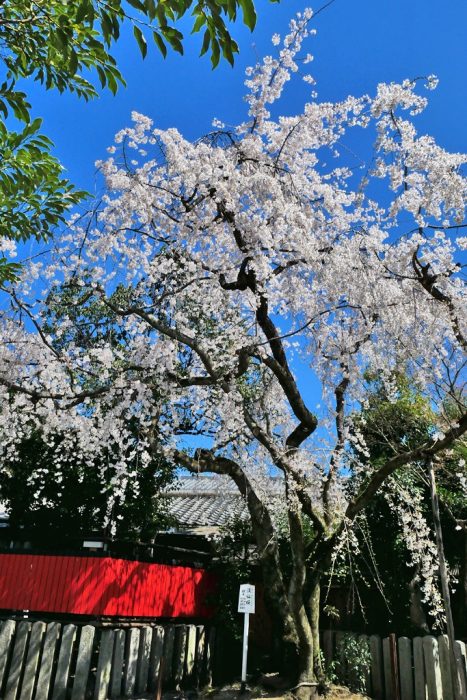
<point x="428" y="280"/>
<point x="424" y="451"/>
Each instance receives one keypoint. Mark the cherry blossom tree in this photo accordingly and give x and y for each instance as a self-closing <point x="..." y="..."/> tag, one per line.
<point x="253" y="277"/>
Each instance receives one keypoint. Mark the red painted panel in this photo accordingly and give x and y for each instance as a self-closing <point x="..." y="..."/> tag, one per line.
<point x="102" y="586"/>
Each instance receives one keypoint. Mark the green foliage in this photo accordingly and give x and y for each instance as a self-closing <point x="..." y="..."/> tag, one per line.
<point x="353" y="662"/>
<point x="64" y="45"/>
<point x="394" y="419"/>
<point x="47" y="492"/>
<point x="34" y="197"/>
<point x="235" y="564"/>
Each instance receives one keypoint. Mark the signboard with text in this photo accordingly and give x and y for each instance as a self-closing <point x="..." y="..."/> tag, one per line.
<point x="246" y="599"/>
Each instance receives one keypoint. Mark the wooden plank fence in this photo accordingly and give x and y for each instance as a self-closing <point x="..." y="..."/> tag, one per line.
<point x="402" y="669"/>
<point x="51" y="661"/>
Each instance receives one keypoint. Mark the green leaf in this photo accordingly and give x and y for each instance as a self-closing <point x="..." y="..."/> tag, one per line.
<point x="160" y="43"/>
<point x="249" y="13"/>
<point x="206" y="42"/>
<point x="173" y="37"/>
<point x="73" y="64"/>
<point x="215" y="54"/>
<point x="199" y="22"/>
<point x="143" y="47"/>
<point x="82" y="11"/>
<point x="138" y="5"/>
<point x="151" y="9"/>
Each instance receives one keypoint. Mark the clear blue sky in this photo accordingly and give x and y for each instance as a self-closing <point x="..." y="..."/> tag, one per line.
<point x="359" y="43"/>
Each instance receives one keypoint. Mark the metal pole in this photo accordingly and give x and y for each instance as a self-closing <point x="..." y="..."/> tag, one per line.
<point x="246" y="625"/>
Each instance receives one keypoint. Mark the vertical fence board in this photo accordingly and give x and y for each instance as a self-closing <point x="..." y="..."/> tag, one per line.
<point x="377" y="673"/>
<point x="131" y="662"/>
<point x="432" y="668"/>
<point x="406" y="668"/>
<point x="64" y="661"/>
<point x="420" y="686"/>
<point x="179" y="654"/>
<point x="17" y="660"/>
<point x="460" y="654"/>
<point x="387" y="669"/>
<point x="167" y="654"/>
<point x="209" y="654"/>
<point x="157" y="647"/>
<point x="190" y="653"/>
<point x="47" y="659"/>
<point x="445" y="666"/>
<point x="143" y="659"/>
<point x="83" y="662"/>
<point x="6" y="637"/>
<point x="104" y="664"/>
<point x="200" y="655"/>
<point x="32" y="660"/>
<point x="116" y="677"/>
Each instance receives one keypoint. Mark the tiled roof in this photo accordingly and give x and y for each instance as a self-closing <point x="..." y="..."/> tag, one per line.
<point x="201" y="501"/>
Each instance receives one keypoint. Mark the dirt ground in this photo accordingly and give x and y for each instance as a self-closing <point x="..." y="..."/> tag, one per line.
<point x="233" y="693"/>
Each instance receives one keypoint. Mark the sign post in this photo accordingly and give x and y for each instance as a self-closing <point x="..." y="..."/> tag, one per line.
<point x="246" y="605"/>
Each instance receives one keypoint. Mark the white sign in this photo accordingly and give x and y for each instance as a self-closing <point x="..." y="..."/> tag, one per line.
<point x="246" y="599"/>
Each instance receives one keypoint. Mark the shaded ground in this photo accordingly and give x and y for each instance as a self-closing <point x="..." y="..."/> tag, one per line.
<point x="232" y="692"/>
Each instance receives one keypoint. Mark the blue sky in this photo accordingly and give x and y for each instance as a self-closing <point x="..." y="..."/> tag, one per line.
<point x="359" y="44"/>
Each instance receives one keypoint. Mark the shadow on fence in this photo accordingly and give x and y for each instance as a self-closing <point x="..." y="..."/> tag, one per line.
<point x="40" y="661"/>
<point x="401" y="668"/>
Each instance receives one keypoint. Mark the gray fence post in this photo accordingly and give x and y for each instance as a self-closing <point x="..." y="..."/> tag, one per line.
<point x="116" y="675"/>
<point x="131" y="662"/>
<point x="32" y="660"/>
<point x="104" y="665"/>
<point x="167" y="654"/>
<point x="421" y="690"/>
<point x="83" y="662"/>
<point x="432" y="668"/>
<point x="210" y="646"/>
<point x="190" y="652"/>
<point x="460" y="654"/>
<point x="157" y="647"/>
<point x="406" y="668"/>
<point x="47" y="659"/>
<point x="16" y="666"/>
<point x="377" y="673"/>
<point x="445" y="666"/>
<point x="64" y="660"/>
<point x="200" y="655"/>
<point x="143" y="659"/>
<point x="6" y="637"/>
<point x="180" y="654"/>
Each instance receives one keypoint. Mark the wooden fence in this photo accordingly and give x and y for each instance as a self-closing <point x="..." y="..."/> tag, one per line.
<point x="51" y="661"/>
<point x="402" y="668"/>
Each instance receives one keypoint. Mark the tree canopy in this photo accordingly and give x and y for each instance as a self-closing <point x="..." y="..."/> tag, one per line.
<point x="241" y="270"/>
<point x="66" y="46"/>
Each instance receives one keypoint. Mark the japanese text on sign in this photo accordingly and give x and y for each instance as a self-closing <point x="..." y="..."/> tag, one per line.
<point x="246" y="599"/>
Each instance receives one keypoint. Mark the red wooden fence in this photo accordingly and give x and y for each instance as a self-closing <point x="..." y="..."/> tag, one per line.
<point x="103" y="586"/>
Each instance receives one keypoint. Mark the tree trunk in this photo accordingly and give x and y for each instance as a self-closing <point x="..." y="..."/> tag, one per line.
<point x="443" y="572"/>
<point x="417" y="614"/>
